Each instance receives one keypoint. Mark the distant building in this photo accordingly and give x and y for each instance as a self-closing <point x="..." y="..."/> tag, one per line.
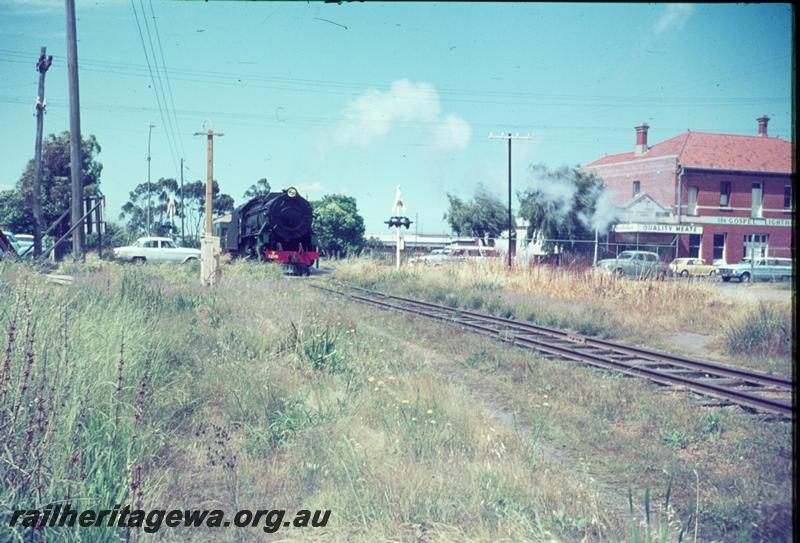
<point x="415" y="242"/>
<point x="525" y="249"/>
<point x="700" y="194"/>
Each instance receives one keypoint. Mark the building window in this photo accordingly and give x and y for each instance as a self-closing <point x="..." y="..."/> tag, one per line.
<point x="692" y="205"/>
<point x="756" y="245"/>
<point x="694" y="245"/>
<point x="637" y="188"/>
<point x="725" y="193"/>
<point x="787" y="197"/>
<point x="719" y="247"/>
<point x="756" y="200"/>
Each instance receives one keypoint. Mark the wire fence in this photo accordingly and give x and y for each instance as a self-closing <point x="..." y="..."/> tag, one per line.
<point x="557" y="251"/>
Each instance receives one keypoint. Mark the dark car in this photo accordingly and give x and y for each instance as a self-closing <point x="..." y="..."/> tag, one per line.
<point x="639" y="264"/>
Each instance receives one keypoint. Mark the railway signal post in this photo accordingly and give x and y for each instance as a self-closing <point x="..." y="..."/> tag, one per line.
<point x="209" y="246"/>
<point x="397" y="220"/>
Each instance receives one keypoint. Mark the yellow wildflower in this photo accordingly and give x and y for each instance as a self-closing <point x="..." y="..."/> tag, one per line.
<point x="433" y="421"/>
<point x="429" y="411"/>
<point x="370" y="379"/>
<point x="414" y="419"/>
<point x="403" y="402"/>
<point x="380" y="382"/>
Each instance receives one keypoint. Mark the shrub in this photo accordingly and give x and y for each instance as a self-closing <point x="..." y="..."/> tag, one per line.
<point x="762" y="330"/>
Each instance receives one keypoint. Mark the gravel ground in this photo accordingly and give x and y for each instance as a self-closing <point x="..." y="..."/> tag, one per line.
<point x="766" y="292"/>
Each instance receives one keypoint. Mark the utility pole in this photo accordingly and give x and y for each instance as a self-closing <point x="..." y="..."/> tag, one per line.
<point x="511" y="230"/>
<point x="183" y="237"/>
<point x="209" y="246"/>
<point x="149" y="187"/>
<point x="209" y="175"/>
<point x="42" y="67"/>
<point x="76" y="173"/>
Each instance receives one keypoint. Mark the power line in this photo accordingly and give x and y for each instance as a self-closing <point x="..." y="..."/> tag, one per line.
<point x="302" y="122"/>
<point x="340" y="88"/>
<point x="152" y="78"/>
<point x="170" y="127"/>
<point x="166" y="76"/>
<point x="160" y="89"/>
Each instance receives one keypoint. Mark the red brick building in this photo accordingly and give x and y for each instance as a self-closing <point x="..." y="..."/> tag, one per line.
<point x="716" y="196"/>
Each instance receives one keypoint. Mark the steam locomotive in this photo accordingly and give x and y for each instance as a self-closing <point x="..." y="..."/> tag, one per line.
<point x="273" y="227"/>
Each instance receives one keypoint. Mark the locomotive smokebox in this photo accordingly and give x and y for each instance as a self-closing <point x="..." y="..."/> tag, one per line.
<point x="290" y="216"/>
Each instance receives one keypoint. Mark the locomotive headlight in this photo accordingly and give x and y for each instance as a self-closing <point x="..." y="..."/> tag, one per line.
<point x="291" y="192"/>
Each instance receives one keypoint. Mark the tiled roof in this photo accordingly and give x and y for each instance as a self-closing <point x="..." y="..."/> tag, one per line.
<point x="716" y="152"/>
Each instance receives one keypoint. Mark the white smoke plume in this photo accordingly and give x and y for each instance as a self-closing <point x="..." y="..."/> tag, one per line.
<point x="605" y="212"/>
<point x="559" y="189"/>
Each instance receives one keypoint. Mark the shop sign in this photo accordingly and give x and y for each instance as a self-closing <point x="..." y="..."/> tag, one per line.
<point x="658" y="228"/>
<point x="743" y="221"/>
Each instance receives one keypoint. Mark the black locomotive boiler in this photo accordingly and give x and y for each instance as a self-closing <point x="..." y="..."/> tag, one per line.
<point x="274" y="227"/>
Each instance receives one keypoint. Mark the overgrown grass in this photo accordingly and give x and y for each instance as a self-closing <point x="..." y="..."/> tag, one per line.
<point x="262" y="392"/>
<point x="593" y="303"/>
<point x="761" y="330"/>
<point x="83" y="408"/>
<point x="582" y="299"/>
<point x="625" y="432"/>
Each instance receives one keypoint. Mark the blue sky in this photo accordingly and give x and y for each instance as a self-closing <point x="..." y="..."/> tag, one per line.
<point x="360" y="97"/>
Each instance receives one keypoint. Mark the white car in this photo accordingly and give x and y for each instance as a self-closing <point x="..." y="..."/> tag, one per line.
<point x="434" y="258"/>
<point x="156" y="250"/>
<point x="22" y="243"/>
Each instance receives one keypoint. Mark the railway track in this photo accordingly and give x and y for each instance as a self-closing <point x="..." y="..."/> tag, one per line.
<point x="756" y="392"/>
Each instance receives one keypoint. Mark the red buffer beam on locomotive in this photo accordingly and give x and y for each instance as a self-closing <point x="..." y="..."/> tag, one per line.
<point x="274" y="227"/>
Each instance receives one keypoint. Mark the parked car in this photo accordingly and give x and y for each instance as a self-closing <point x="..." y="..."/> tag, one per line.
<point x="7" y="245"/>
<point x="765" y="269"/>
<point x="691" y="266"/>
<point x="640" y="264"/>
<point x="475" y="253"/>
<point x="435" y="258"/>
<point x="151" y="249"/>
<point x="24" y="244"/>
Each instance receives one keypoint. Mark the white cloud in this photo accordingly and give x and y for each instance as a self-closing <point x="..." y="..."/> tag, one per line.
<point x="371" y="116"/>
<point x="674" y="17"/>
<point x="452" y="133"/>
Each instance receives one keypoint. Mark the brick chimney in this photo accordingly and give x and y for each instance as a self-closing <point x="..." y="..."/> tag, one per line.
<point x="762" y="125"/>
<point x="641" y="138"/>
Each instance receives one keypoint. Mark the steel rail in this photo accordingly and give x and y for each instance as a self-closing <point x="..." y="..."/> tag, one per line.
<point x="498" y="328"/>
<point x="704" y="366"/>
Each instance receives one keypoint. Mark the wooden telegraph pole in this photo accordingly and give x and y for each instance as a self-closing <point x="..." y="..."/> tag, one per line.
<point x="209" y="248"/>
<point x="511" y="230"/>
<point x="42" y="66"/>
<point x="76" y="173"/>
<point x="209" y="175"/>
<point x="183" y="235"/>
<point x="149" y="186"/>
